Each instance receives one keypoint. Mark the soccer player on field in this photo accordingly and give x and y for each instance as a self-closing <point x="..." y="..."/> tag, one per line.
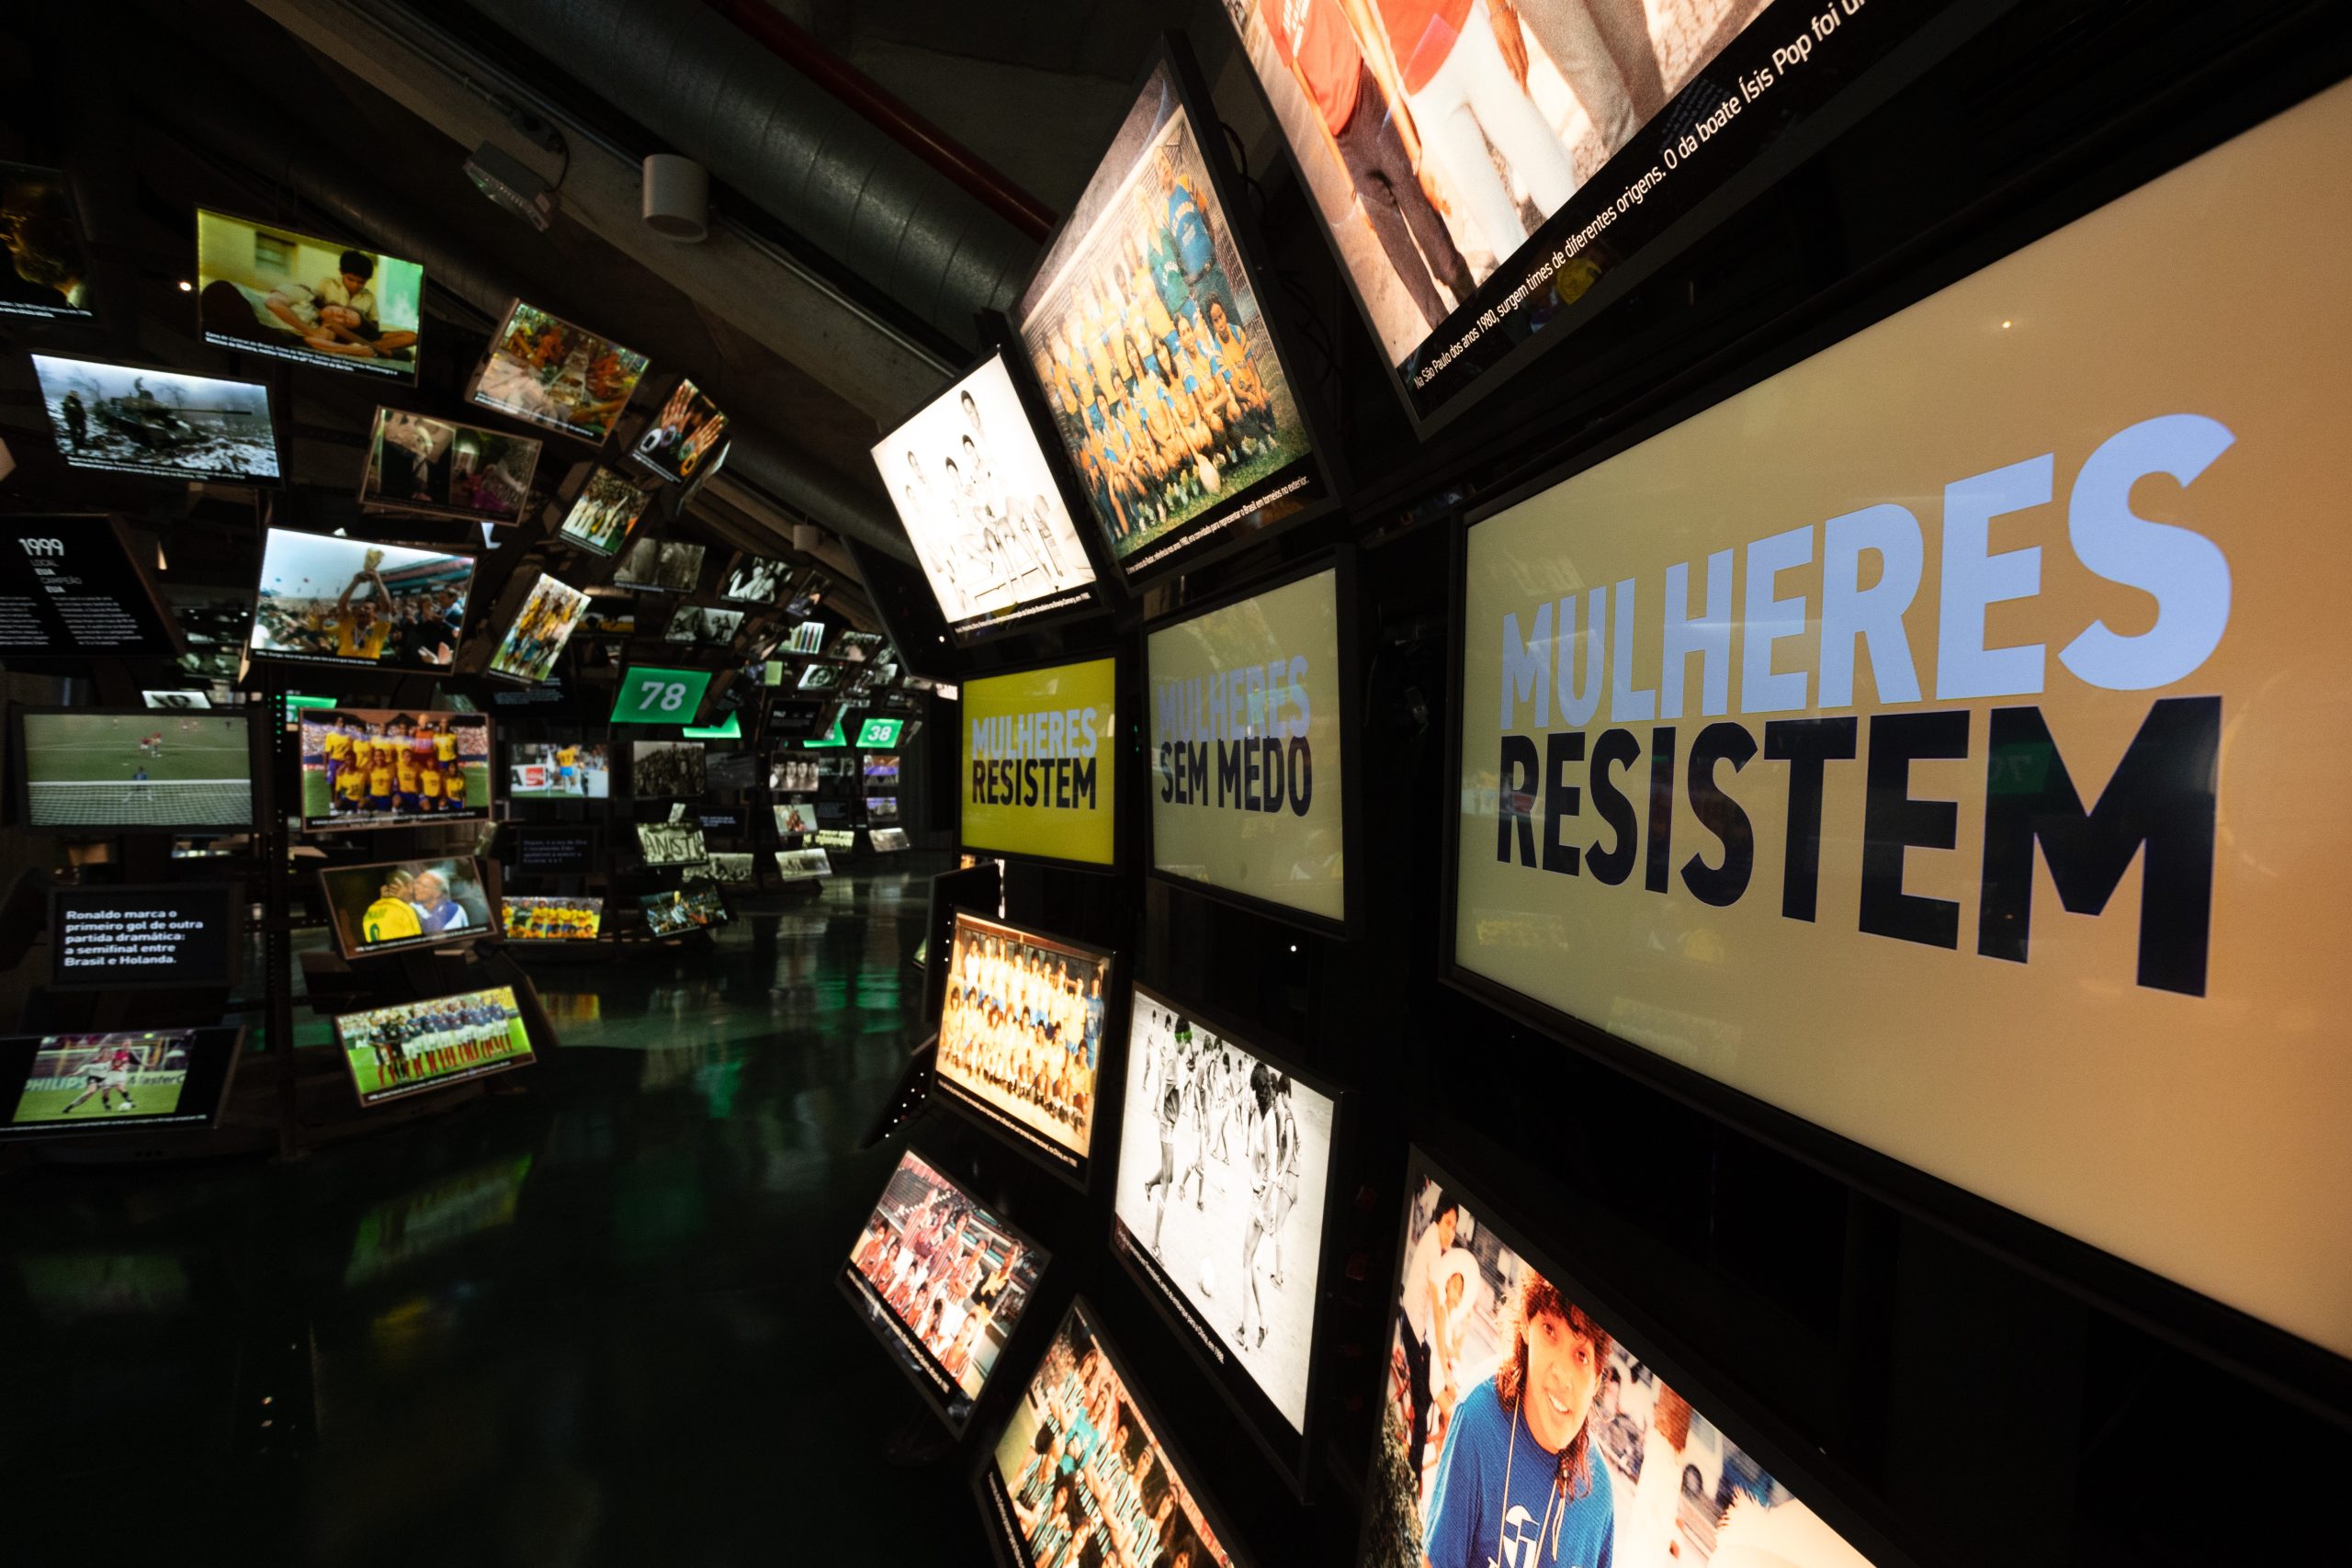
<point x="379" y="779"/>
<point x="107" y="1079"/>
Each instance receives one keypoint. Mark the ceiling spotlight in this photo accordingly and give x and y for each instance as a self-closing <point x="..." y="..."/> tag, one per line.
<point x="501" y="177"/>
<point x="676" y="198"/>
<point x="186" y="287"/>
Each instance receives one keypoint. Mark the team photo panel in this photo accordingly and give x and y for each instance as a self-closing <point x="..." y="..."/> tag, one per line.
<point x="944" y="1281"/>
<point x="1512" y="1422"/>
<point x="1224" y="1160"/>
<point x="1020" y="1036"/>
<point x="391" y="767"/>
<point x="1079" y="1475"/>
<point x="1156" y="357"/>
<point x="398" y="1051"/>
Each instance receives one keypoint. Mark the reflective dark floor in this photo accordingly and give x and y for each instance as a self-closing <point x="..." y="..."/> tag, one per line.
<point x="590" y="1320"/>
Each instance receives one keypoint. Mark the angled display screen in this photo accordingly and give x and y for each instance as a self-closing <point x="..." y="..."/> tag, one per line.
<point x="390" y="768"/>
<point x="436" y="467"/>
<point x="63" y="1085"/>
<point x="1895" y="714"/>
<point x="1486" y="175"/>
<point x="941" y="1281"/>
<point x="104" y="772"/>
<point x="606" y="508"/>
<point x="668" y="770"/>
<point x="557" y="770"/>
<point x="1246" y="747"/>
<point x="531" y="645"/>
<point x="686" y="436"/>
<point x="403" y="904"/>
<point x="1144" y="328"/>
<point x="546" y="372"/>
<point x="47" y="273"/>
<point x="1021" y="1037"/>
<point x="1079" y="1445"/>
<point x="665" y="565"/>
<point x="395" y="1052"/>
<point x="551" y="920"/>
<point x="120" y="419"/>
<point x="69" y="587"/>
<point x="651" y="696"/>
<point x="982" y="509"/>
<point x="1040" y="773"/>
<point x="672" y="843"/>
<point x="326" y="600"/>
<point x="270" y="291"/>
<point x="1225" y="1159"/>
<point x="111" y="937"/>
<point x="1521" y="1418"/>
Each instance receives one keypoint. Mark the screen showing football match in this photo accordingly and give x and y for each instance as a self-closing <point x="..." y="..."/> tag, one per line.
<point x="529" y="919"/>
<point x="61" y="1085"/>
<point x="48" y="271"/>
<point x="1077" y="1463"/>
<point x="333" y="601"/>
<point x="396" y="1051"/>
<point x="550" y="614"/>
<point x="393" y="767"/>
<point x="942" y="1282"/>
<point x="1143" y="327"/>
<point x="547" y="372"/>
<point x="120" y="419"/>
<point x="1223" y="1159"/>
<point x="557" y="770"/>
<point x="982" y="508"/>
<point x="1510" y="1407"/>
<point x="267" y="291"/>
<point x="115" y="771"/>
<point x="1022" y="1035"/>
<point x="686" y="435"/>
<point x="402" y="903"/>
<point x="1479" y="176"/>
<point x="436" y="467"/>
<point x="603" y="512"/>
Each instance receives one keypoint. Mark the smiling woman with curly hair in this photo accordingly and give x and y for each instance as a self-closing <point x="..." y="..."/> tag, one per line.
<point x="1516" y="1482"/>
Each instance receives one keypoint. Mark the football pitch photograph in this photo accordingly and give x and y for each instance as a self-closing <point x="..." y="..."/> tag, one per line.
<point x="150" y="1094"/>
<point x="318" y="806"/>
<point x="141" y="770"/>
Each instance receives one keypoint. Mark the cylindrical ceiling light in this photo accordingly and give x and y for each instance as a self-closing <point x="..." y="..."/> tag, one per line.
<point x="676" y="198"/>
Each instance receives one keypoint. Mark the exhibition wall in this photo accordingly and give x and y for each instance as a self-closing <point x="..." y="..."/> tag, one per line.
<point x="1620" y="711"/>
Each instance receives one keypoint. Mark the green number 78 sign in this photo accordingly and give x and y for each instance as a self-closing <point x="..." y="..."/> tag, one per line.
<point x="659" y="697"/>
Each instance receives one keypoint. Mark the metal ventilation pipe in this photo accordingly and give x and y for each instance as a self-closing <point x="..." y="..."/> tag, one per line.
<point x="695" y="81"/>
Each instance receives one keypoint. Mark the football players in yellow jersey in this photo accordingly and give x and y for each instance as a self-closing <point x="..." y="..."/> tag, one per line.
<point x="379" y="779"/>
<point x="404" y="761"/>
<point x="390" y="917"/>
<point x="428" y="780"/>
<point x="351" y="788"/>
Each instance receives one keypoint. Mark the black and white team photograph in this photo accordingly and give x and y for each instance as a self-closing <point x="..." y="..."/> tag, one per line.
<point x="1223" y="1160"/>
<point x="980" y="503"/>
